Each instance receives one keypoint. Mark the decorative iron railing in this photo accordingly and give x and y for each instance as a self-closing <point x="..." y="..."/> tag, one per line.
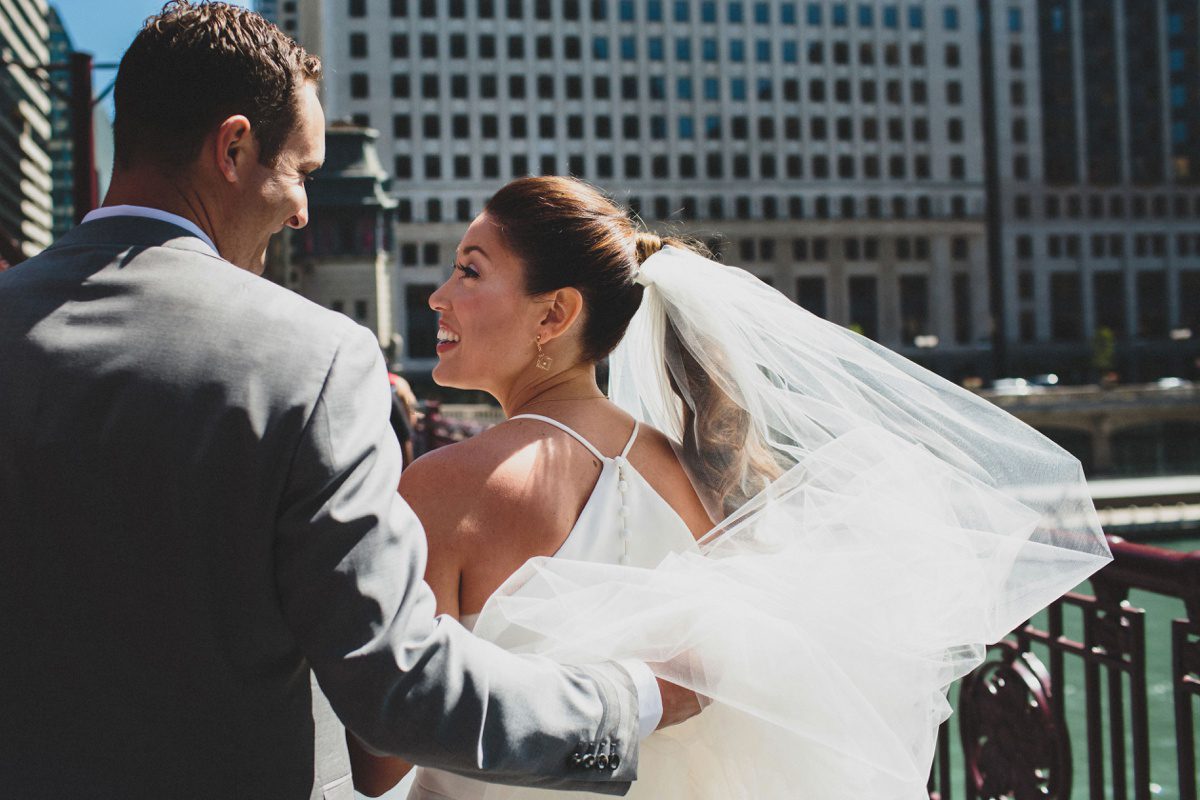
<point x="1012" y="719"/>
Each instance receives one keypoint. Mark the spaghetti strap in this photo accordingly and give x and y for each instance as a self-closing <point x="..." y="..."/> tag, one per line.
<point x="632" y="436"/>
<point x="579" y="438"/>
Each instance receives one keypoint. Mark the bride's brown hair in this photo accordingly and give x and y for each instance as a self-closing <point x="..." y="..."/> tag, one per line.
<point x="566" y="233"/>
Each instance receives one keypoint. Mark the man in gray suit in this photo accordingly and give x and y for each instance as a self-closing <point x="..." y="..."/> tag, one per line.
<point x="197" y="489"/>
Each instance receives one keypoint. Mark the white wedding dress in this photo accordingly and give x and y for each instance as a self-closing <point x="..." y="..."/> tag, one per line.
<point x="879" y="527"/>
<point x="621" y="499"/>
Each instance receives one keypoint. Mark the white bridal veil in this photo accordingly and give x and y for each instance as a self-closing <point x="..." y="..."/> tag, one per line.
<point x="879" y="526"/>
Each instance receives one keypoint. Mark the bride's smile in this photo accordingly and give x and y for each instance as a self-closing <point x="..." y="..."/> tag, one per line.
<point x="488" y="321"/>
<point x="446" y="339"/>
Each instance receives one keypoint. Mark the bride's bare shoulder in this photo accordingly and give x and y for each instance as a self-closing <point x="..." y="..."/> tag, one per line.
<point x="477" y="478"/>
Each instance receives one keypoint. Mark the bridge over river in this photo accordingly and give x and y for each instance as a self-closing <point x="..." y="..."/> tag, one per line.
<point x="1122" y="430"/>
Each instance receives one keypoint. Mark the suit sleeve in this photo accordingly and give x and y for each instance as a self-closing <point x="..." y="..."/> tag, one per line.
<point x="350" y="556"/>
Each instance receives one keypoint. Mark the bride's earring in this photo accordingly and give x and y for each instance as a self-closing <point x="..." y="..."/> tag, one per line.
<point x="543" y="361"/>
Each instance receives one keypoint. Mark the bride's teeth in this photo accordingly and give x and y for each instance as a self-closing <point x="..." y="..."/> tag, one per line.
<point x="444" y="335"/>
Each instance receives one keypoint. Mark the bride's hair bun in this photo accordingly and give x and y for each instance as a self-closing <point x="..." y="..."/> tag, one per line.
<point x="648" y="244"/>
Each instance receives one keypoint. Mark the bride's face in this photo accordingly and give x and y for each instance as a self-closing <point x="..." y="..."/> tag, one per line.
<point x="488" y="322"/>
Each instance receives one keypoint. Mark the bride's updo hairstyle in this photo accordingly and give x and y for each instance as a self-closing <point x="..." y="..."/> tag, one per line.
<point x="566" y="233"/>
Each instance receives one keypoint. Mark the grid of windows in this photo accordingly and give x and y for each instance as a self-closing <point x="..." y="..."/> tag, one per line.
<point x="737" y="124"/>
<point x="693" y="110"/>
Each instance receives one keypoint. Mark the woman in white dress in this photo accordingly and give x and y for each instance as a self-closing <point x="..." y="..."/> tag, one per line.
<point x="773" y="512"/>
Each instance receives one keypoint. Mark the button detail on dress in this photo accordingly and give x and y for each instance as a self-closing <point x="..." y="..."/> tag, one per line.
<point x="623" y="511"/>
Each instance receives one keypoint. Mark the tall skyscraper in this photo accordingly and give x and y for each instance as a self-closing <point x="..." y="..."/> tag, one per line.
<point x="25" y="131"/>
<point x="1097" y="165"/>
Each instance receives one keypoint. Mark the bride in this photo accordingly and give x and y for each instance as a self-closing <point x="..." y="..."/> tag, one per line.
<point x="832" y="532"/>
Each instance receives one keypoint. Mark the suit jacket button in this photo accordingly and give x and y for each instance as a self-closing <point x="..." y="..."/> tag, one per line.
<point x="614" y="761"/>
<point x="589" y="761"/>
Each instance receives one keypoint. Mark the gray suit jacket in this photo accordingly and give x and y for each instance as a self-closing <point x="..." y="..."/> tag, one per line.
<point x="198" y="511"/>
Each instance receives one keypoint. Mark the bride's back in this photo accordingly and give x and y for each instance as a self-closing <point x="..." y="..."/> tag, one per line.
<point x="514" y="492"/>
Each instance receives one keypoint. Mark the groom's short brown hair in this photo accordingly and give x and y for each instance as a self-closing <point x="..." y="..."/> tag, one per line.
<point x="194" y="65"/>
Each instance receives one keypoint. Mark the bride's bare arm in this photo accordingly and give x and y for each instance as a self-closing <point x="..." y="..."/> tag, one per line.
<point x="374" y="775"/>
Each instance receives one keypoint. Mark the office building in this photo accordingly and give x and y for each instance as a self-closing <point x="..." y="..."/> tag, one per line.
<point x="1097" y="159"/>
<point x="834" y="149"/>
<point x="25" y="130"/>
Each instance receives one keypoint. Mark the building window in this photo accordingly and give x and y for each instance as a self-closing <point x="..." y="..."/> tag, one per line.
<point x="810" y="293"/>
<point x="359" y="85"/>
<point x="914" y="307"/>
<point x="1108" y="293"/>
<point x="961" y="288"/>
<point x="1066" y="317"/>
<point x="864" y="305"/>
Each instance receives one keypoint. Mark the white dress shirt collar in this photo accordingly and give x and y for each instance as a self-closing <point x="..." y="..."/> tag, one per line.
<point x="151" y="213"/>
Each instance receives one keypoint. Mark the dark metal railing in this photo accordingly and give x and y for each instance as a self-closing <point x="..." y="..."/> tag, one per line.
<point x="1011" y="717"/>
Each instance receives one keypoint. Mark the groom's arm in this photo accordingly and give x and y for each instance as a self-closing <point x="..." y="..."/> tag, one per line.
<point x="350" y="555"/>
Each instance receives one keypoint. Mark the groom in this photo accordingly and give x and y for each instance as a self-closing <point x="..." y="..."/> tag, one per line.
<point x="197" y="489"/>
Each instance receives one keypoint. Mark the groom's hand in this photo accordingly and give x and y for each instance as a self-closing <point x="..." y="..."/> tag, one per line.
<point x="679" y="704"/>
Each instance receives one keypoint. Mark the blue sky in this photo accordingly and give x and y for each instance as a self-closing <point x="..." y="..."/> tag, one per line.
<point x="105" y="28"/>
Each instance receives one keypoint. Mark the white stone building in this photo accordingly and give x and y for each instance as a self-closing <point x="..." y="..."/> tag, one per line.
<point x="833" y="148"/>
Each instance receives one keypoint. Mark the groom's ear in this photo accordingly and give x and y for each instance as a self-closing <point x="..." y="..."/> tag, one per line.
<point x="233" y="147"/>
<point x="562" y="308"/>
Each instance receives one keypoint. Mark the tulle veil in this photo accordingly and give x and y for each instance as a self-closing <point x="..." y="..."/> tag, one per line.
<point x="877" y="527"/>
